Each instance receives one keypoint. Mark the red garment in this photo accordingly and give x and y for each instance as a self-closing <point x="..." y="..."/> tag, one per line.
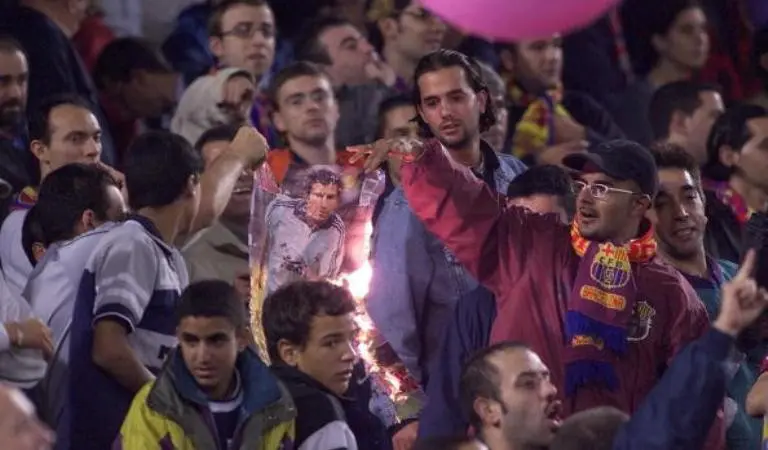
<point x="91" y="39"/>
<point x="528" y="262"/>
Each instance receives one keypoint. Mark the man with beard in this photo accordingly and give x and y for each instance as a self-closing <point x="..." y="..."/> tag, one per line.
<point x="16" y="162"/>
<point x="417" y="281"/>
<point x="679" y="223"/>
<point x="591" y="299"/>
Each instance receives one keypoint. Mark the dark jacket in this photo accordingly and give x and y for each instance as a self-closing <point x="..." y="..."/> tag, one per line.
<point x="54" y="65"/>
<point x="528" y="262"/>
<point x="468" y="332"/>
<point x="318" y="407"/>
<point x="723" y="235"/>
<point x="677" y="412"/>
<point x="16" y="168"/>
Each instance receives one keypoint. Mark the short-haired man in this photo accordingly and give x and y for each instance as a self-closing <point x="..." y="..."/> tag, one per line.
<point x="311" y="335"/>
<point x="542" y="189"/>
<point x="213" y="373"/>
<point x="416" y="280"/>
<point x="121" y="327"/>
<point x="77" y="205"/>
<point x="679" y="220"/>
<point x="683" y="112"/>
<point x="734" y="180"/>
<point x="360" y="79"/>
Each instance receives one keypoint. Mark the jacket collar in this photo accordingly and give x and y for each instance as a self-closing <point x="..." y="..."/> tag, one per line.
<point x="293" y="376"/>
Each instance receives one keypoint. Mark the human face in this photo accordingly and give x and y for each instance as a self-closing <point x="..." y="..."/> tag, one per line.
<point x="497" y="134"/>
<point x="686" y="44"/>
<point x="247" y="39"/>
<point x="415" y="33"/>
<point x="323" y="200"/>
<point x="699" y="124"/>
<point x="529" y="406"/>
<point x="752" y="163"/>
<point x="13" y="89"/>
<point x="397" y="123"/>
<point x="542" y="204"/>
<point x="329" y="353"/>
<point x="678" y="215"/>
<point x="349" y="52"/>
<point x="209" y="347"/>
<point x="75" y="137"/>
<point x="538" y="64"/>
<point x="150" y="95"/>
<point x="450" y="107"/>
<point x="307" y="111"/>
<point x="239" y="206"/>
<point x="613" y="217"/>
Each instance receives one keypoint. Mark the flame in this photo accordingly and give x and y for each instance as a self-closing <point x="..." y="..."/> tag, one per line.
<point x="358" y="282"/>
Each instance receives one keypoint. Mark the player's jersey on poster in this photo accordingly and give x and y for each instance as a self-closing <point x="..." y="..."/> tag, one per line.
<point x="308" y="222"/>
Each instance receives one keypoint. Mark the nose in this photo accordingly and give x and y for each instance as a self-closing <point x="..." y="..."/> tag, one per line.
<point x="366" y="46"/>
<point x="350" y="353"/>
<point x="549" y="391"/>
<point x="93" y="148"/>
<point x="681" y="212"/>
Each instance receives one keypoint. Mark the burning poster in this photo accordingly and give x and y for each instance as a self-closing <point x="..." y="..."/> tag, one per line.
<point x="312" y="223"/>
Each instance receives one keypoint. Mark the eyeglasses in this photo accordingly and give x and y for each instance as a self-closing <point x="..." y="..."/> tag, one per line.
<point x="246" y="30"/>
<point x="598" y="190"/>
<point x="422" y="15"/>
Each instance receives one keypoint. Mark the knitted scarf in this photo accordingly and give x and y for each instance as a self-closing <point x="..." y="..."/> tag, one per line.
<point x="535" y="129"/>
<point x="600" y="307"/>
<point x="732" y="199"/>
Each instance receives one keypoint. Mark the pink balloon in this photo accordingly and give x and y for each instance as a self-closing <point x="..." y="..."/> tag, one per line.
<point x="512" y="20"/>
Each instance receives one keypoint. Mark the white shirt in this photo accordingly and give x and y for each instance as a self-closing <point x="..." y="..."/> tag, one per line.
<point x="21" y="368"/>
<point x="15" y="264"/>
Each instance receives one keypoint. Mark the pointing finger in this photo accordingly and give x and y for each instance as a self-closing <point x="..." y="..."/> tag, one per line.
<point x="747" y="268"/>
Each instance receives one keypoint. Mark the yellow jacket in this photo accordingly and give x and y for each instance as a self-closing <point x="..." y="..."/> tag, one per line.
<point x="171" y="413"/>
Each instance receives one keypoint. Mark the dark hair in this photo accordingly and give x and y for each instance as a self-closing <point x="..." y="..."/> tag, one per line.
<point x="544" y="180"/>
<point x="390" y="103"/>
<point x="760" y="48"/>
<point x="121" y="58"/>
<point x="442" y="59"/>
<point x="379" y="10"/>
<point x="32" y="234"/>
<point x="157" y="168"/>
<point x="8" y="44"/>
<point x="443" y="443"/>
<point x="39" y="123"/>
<point x="66" y="193"/>
<point x="322" y="176"/>
<point x="480" y="379"/>
<point x="288" y="312"/>
<point x="730" y="129"/>
<point x="288" y="73"/>
<point x="214" y="22"/>
<point x="680" y="96"/>
<point x="307" y="46"/>
<point x="593" y="429"/>
<point x="225" y="132"/>
<point x="672" y="156"/>
<point x="212" y="298"/>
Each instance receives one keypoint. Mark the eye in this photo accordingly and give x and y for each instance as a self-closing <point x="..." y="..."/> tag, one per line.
<point x="599" y="190"/>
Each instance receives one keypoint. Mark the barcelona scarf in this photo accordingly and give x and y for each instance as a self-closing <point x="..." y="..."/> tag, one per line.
<point x="25" y="199"/>
<point x="732" y="199"/>
<point x="600" y="308"/>
<point x="535" y="129"/>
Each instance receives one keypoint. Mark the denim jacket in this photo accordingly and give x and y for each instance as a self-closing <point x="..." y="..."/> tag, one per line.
<point x="417" y="281"/>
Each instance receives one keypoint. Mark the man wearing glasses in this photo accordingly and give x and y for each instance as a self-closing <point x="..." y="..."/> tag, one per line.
<point x="591" y="298"/>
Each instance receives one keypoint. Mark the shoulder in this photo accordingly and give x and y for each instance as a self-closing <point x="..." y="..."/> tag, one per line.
<point x="660" y="281"/>
<point x="512" y="163"/>
<point x="334" y="435"/>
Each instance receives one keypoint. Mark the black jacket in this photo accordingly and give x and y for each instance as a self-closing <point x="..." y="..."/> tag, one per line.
<point x="723" y="236"/>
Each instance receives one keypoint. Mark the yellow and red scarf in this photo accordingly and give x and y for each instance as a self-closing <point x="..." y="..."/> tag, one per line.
<point x="600" y="307"/>
<point x="732" y="199"/>
<point x="535" y="129"/>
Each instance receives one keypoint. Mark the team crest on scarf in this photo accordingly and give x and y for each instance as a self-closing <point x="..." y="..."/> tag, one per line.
<point x="610" y="267"/>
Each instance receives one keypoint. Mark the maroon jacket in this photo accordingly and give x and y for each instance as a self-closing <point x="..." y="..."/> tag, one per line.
<point x="528" y="262"/>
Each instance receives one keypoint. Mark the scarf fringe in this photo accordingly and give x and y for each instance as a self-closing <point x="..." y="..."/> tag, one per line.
<point x="585" y="372"/>
<point x="615" y="338"/>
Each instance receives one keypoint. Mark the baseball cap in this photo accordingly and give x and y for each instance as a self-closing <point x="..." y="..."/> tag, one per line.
<point x="619" y="159"/>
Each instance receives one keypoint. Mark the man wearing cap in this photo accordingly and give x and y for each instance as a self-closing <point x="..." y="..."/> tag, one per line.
<point x="605" y="315"/>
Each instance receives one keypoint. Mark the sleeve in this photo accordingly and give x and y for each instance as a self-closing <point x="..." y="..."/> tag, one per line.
<point x="22" y="368"/>
<point x="125" y="274"/>
<point x="684" y="403"/>
<point x="491" y="241"/>
<point x="5" y="340"/>
<point x="590" y="114"/>
<point x="330" y="264"/>
<point x="143" y="428"/>
<point x="401" y="275"/>
<point x="333" y="436"/>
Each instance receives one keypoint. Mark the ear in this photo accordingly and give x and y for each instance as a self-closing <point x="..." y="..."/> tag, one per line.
<point x="488" y="410"/>
<point x="243" y="338"/>
<point x="216" y="45"/>
<point x="678" y="123"/>
<point x="277" y="121"/>
<point x="38" y="251"/>
<point x="87" y="222"/>
<point x="39" y="149"/>
<point x="728" y="156"/>
<point x="651" y="215"/>
<point x="482" y="100"/>
<point x="642" y="206"/>
<point x="193" y="184"/>
<point x="507" y="60"/>
<point x="289" y="353"/>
